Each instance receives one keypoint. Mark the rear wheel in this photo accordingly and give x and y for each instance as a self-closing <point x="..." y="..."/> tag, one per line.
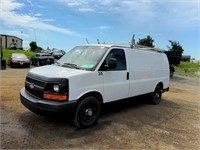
<point x="156" y="96"/>
<point x="171" y="73"/>
<point x="87" y="112"/>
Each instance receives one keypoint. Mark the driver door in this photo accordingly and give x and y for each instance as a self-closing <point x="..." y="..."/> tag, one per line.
<point x="115" y="81"/>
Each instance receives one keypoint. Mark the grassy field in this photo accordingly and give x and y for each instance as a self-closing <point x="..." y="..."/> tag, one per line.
<point x="188" y="69"/>
<point x="7" y="53"/>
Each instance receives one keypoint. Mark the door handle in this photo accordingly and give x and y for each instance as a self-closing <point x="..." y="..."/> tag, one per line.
<point x="127" y="76"/>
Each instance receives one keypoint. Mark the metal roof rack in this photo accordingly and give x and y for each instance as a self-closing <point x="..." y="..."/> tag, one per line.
<point x="141" y="47"/>
<point x="133" y="45"/>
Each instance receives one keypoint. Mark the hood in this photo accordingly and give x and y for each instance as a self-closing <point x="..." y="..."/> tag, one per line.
<point x="54" y="71"/>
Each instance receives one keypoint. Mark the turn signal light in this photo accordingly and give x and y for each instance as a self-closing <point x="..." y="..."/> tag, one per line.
<point x="55" y="97"/>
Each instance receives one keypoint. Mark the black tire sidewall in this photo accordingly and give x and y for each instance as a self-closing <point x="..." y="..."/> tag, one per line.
<point x="87" y="103"/>
<point x="154" y="100"/>
<point x="171" y="74"/>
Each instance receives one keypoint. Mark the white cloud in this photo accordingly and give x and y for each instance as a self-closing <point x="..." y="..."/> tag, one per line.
<point x="48" y="20"/>
<point x="30" y="2"/>
<point x="37" y="15"/>
<point x="104" y="27"/>
<point x="10" y="5"/>
<point x="166" y="12"/>
<point x="17" y="33"/>
<point x="86" y="10"/>
<point x="9" y="16"/>
<point x="80" y="5"/>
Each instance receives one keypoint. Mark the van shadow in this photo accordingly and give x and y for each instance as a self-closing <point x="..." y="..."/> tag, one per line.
<point x="107" y="109"/>
<point x="113" y="114"/>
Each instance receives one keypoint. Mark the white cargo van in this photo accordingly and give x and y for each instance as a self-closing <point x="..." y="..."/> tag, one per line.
<point x="88" y="76"/>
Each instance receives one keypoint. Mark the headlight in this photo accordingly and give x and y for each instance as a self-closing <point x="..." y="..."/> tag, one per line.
<point x="56" y="87"/>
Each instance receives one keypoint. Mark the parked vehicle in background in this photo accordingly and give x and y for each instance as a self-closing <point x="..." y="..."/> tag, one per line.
<point x="47" y="51"/>
<point x="42" y="59"/>
<point x="57" y="54"/>
<point x="174" y="60"/>
<point x="63" y="52"/>
<point x="18" y="60"/>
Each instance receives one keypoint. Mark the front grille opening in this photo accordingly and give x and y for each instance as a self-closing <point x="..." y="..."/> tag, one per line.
<point x="36" y="82"/>
<point x="38" y="89"/>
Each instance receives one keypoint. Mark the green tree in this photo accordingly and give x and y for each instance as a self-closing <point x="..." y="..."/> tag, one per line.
<point x="39" y="48"/>
<point x="148" y="41"/>
<point x="175" y="47"/>
<point x="33" y="46"/>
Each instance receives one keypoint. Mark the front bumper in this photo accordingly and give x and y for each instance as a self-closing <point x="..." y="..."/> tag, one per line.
<point x="41" y="106"/>
<point x="20" y="64"/>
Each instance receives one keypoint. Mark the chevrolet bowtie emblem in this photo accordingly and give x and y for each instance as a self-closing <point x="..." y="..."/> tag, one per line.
<point x="32" y="86"/>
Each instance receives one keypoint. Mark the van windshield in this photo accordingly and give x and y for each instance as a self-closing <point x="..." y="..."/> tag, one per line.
<point x="83" y="57"/>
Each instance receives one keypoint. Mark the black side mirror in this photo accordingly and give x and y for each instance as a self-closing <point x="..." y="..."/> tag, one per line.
<point x="112" y="64"/>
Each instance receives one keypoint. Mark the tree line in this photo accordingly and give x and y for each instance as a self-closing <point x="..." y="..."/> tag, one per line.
<point x="34" y="46"/>
<point x="174" y="45"/>
<point x="148" y="41"/>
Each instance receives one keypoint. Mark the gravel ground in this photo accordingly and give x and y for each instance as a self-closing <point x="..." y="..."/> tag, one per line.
<point x="173" y="124"/>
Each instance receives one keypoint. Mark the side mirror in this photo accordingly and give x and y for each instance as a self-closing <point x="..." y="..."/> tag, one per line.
<point x="112" y="64"/>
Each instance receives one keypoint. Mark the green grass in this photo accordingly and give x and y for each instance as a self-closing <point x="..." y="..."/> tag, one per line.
<point x="188" y="69"/>
<point x="7" y="53"/>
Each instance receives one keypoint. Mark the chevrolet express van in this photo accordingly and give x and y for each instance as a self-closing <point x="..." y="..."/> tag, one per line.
<point x="88" y="76"/>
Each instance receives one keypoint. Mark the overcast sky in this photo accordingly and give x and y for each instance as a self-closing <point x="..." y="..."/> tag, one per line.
<point x="67" y="23"/>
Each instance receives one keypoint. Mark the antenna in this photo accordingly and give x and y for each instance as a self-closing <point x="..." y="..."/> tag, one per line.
<point x="132" y="41"/>
<point x="87" y="41"/>
<point x="98" y="42"/>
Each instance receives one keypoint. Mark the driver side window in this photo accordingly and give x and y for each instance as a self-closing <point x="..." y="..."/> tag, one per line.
<point x="117" y="54"/>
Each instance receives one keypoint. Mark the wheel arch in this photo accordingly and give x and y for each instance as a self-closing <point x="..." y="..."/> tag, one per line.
<point x="92" y="93"/>
<point x="160" y="84"/>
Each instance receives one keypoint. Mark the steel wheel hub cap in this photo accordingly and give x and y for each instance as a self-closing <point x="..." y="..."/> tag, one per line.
<point x="157" y="96"/>
<point x="88" y="112"/>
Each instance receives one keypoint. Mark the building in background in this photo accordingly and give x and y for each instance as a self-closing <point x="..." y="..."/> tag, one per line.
<point x="11" y="42"/>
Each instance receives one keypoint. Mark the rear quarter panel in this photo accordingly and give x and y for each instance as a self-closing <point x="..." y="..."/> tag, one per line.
<point x="147" y="69"/>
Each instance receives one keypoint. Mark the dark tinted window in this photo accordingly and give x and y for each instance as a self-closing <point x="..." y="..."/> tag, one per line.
<point x="119" y="55"/>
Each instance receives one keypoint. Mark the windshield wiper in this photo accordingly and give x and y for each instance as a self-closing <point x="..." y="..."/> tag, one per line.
<point x="70" y="65"/>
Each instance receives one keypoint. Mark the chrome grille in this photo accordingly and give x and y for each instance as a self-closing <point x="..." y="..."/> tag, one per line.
<point x="34" y="87"/>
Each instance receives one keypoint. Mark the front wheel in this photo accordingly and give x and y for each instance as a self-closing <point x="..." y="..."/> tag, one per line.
<point x="156" y="96"/>
<point x="87" y="112"/>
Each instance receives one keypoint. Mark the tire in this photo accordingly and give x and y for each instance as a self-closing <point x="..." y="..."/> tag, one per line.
<point x="11" y="65"/>
<point x="156" y="96"/>
<point x="87" y="112"/>
<point x="37" y="63"/>
<point x="171" y="73"/>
